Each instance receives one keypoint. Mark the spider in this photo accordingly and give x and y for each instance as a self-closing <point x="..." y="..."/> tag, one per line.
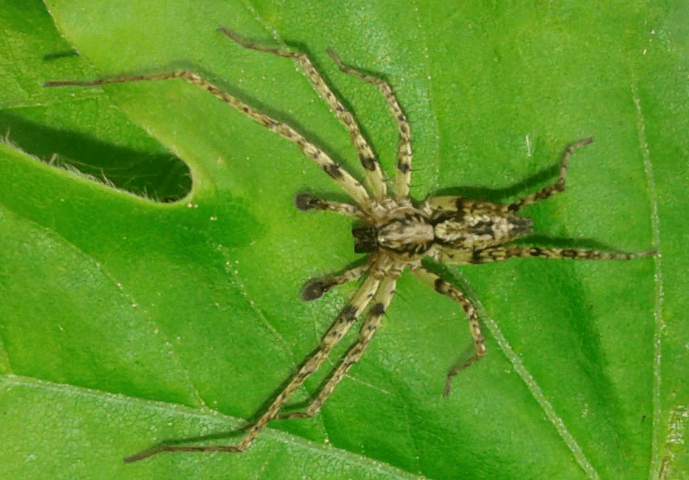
<point x="396" y="234"/>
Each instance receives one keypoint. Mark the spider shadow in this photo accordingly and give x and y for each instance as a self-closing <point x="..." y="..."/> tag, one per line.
<point x="501" y="195"/>
<point x="542" y="240"/>
<point x="60" y="54"/>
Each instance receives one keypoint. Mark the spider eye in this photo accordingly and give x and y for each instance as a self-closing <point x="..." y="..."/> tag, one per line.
<point x="365" y="239"/>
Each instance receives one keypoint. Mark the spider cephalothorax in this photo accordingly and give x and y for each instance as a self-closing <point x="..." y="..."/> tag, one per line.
<point x="395" y="234"/>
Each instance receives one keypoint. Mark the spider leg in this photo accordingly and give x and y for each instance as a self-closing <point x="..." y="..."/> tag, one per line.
<point x="306" y="201"/>
<point x="557" y="187"/>
<point x="404" y="148"/>
<point x="316" y="288"/>
<point x="445" y="288"/>
<point x="380" y="301"/>
<point x="348" y="183"/>
<point x="499" y="254"/>
<point x="363" y="149"/>
<point x="334" y="334"/>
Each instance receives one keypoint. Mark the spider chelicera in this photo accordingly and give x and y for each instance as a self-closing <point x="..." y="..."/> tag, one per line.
<point x="397" y="234"/>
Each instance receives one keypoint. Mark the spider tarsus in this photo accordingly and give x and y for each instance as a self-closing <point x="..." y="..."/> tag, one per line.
<point x="315" y="290"/>
<point x="306" y="201"/>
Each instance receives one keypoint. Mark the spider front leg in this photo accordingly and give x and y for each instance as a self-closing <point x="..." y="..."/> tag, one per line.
<point x="380" y="301"/>
<point x="334" y="334"/>
<point x="348" y="183"/>
<point x="445" y="288"/>
<point x="366" y="156"/>
<point x="404" y="148"/>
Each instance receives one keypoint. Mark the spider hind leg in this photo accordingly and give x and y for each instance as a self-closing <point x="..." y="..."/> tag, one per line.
<point x="445" y="288"/>
<point x="380" y="302"/>
<point x="555" y="188"/>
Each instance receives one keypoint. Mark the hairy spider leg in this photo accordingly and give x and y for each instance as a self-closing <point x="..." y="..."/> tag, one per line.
<point x="343" y="178"/>
<point x="499" y="254"/>
<point x="380" y="303"/>
<point x="404" y="148"/>
<point x="306" y="201"/>
<point x="446" y="288"/>
<point x="453" y="203"/>
<point x="363" y="149"/>
<point x="555" y="188"/>
<point x="334" y="334"/>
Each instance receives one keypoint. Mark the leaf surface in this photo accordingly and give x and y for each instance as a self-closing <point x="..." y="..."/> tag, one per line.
<point x="125" y="321"/>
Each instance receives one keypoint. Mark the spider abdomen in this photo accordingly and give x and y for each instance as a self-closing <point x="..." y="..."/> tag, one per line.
<point x="479" y="231"/>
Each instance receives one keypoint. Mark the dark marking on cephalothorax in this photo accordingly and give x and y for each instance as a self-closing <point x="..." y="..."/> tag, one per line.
<point x="403" y="167"/>
<point x="377" y="310"/>
<point x="368" y="163"/>
<point x="333" y="170"/>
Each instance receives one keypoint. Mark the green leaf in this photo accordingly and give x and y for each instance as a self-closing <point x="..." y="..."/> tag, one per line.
<point x="125" y="321"/>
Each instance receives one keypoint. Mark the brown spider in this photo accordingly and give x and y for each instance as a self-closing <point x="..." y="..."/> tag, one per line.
<point x="397" y="234"/>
